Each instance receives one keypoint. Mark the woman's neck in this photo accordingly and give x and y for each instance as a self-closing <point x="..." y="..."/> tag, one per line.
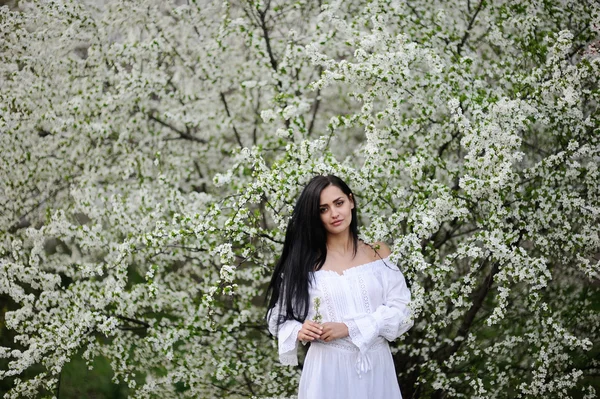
<point x="340" y="244"/>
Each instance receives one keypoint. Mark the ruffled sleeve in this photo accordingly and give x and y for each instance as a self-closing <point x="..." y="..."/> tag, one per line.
<point x="390" y="319"/>
<point x="287" y="337"/>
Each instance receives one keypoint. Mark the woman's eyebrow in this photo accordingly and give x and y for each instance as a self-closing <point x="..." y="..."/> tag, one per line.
<point x="335" y="200"/>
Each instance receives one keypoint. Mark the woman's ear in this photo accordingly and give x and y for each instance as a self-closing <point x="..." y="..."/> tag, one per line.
<point x="351" y="198"/>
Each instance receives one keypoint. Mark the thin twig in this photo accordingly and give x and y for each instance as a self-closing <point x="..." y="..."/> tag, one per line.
<point x="235" y="131"/>
<point x="181" y="133"/>
<point x="468" y="31"/>
<point x="263" y="25"/>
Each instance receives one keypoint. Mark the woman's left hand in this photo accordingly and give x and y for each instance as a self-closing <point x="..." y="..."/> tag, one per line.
<point x="333" y="331"/>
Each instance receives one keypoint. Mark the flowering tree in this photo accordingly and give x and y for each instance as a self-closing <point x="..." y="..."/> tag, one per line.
<point x="152" y="152"/>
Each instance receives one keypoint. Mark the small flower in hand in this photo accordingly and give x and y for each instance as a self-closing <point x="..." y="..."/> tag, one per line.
<point x="317" y="303"/>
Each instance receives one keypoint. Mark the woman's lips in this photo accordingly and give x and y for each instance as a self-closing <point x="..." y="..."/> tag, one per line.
<point x="337" y="222"/>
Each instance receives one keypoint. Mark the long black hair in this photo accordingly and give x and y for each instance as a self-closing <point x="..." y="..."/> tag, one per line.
<point x="304" y="250"/>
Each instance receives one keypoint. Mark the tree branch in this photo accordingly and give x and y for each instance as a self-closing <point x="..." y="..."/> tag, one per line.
<point x="237" y="135"/>
<point x="23" y="221"/>
<point x="446" y="351"/>
<point x="444" y="146"/>
<point x="141" y="324"/>
<point x="263" y="25"/>
<point x="58" y="385"/>
<point x="247" y="380"/>
<point x="314" y="113"/>
<point x="468" y="31"/>
<point x="181" y="133"/>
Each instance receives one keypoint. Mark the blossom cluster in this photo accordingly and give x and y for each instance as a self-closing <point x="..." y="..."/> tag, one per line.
<point x="152" y="153"/>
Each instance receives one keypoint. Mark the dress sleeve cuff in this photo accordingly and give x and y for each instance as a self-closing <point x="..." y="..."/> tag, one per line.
<point x="289" y="359"/>
<point x="288" y="342"/>
<point x="362" y="331"/>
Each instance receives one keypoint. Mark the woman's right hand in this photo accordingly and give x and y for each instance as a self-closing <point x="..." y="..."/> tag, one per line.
<point x="310" y="331"/>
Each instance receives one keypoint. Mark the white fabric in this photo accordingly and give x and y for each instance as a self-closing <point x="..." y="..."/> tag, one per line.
<point x="287" y="338"/>
<point x="372" y="300"/>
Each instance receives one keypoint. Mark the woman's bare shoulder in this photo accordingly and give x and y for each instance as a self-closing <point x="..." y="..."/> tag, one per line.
<point x="377" y="250"/>
<point x="382" y="249"/>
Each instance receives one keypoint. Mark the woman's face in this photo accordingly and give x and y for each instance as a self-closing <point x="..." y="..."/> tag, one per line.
<point x="336" y="210"/>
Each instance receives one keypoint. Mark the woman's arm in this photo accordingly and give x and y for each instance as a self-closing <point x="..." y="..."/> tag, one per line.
<point x="392" y="318"/>
<point x="287" y="337"/>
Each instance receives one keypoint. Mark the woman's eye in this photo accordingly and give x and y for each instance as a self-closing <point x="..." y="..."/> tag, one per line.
<point x="323" y="210"/>
<point x="340" y="203"/>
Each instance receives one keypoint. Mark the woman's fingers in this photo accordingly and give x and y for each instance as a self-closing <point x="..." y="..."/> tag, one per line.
<point x="316" y="330"/>
<point x="310" y="331"/>
<point x="312" y="326"/>
<point x="310" y="336"/>
<point x="326" y="332"/>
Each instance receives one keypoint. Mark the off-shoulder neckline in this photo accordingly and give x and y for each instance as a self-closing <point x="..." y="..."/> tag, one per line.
<point x="352" y="269"/>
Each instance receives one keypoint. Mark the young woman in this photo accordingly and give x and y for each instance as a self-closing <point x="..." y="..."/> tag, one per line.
<point x="341" y="295"/>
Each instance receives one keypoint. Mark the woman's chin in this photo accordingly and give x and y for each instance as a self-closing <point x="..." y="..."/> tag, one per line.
<point x="335" y="230"/>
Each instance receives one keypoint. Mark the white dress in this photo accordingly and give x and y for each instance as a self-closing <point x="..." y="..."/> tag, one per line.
<point x="371" y="299"/>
